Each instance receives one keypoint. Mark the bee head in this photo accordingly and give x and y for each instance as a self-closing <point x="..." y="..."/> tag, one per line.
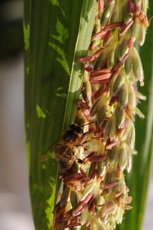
<point x="76" y="128"/>
<point x="69" y="135"/>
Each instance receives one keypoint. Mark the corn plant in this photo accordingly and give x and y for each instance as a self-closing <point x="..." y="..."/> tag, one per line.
<point x="83" y="87"/>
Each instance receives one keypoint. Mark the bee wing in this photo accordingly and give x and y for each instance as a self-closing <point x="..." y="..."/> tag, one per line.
<point x="45" y="155"/>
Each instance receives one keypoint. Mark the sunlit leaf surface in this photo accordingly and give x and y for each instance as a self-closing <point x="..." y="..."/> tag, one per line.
<point x="56" y="33"/>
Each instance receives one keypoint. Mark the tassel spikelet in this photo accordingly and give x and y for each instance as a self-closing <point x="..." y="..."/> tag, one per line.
<point x="96" y="150"/>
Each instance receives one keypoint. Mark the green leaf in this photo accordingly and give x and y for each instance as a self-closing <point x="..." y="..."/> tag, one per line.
<point x="139" y="177"/>
<point x="56" y="33"/>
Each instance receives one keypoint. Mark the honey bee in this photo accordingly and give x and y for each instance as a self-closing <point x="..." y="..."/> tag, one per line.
<point x="64" y="150"/>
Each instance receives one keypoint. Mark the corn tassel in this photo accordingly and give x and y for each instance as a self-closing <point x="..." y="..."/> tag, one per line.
<point x="95" y="151"/>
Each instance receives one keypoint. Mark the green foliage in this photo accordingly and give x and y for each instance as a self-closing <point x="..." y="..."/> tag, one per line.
<point x="56" y="34"/>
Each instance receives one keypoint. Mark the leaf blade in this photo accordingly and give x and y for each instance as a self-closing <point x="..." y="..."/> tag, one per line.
<point x="52" y="34"/>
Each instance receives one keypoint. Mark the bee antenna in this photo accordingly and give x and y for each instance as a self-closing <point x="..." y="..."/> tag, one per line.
<point x="88" y="124"/>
